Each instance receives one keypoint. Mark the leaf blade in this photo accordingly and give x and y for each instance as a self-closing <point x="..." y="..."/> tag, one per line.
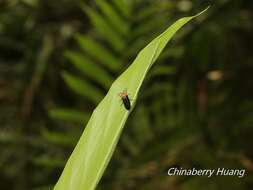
<point x="87" y="67"/>
<point x="95" y="147"/>
<point x="98" y="52"/>
<point x="82" y="88"/>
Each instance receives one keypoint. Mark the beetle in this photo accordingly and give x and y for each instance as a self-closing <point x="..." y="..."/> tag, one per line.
<point x="125" y="99"/>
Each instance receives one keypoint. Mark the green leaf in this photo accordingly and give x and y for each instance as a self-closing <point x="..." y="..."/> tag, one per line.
<point x="82" y="87"/>
<point x="123" y="6"/>
<point x="85" y="65"/>
<point x="69" y="115"/>
<point x="147" y="13"/>
<point x="98" y="52"/>
<point x="113" y="17"/>
<point x="58" y="138"/>
<point x="48" y="161"/>
<point x="90" y="157"/>
<point x="116" y="41"/>
<point x="151" y="26"/>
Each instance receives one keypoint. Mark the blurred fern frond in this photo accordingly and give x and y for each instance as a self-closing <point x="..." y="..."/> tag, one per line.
<point x="111" y="44"/>
<point x="106" y="51"/>
<point x="103" y="53"/>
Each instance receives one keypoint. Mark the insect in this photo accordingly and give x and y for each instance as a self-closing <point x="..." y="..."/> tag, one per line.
<point x="125" y="99"/>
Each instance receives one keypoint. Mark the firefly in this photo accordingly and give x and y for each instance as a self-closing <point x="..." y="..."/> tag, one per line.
<point x="125" y="99"/>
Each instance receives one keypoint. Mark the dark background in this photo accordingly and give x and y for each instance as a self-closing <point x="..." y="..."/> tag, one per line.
<point x="195" y="107"/>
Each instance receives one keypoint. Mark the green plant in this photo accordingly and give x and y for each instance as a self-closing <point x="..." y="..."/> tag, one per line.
<point x="95" y="147"/>
<point x="110" y="46"/>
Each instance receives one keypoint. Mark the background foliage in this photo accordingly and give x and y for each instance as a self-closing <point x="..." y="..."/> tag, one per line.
<point x="58" y="59"/>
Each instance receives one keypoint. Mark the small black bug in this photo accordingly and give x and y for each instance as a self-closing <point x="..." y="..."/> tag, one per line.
<point x="125" y="99"/>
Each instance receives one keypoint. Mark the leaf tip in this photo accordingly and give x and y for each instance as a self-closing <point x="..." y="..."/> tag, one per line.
<point x="203" y="11"/>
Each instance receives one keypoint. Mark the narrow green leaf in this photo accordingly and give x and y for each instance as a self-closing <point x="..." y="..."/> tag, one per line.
<point x="146" y="13"/>
<point x="113" y="17"/>
<point x="67" y="114"/>
<point x="98" y="52"/>
<point x="149" y="27"/>
<point x="85" y="65"/>
<point x="112" y="37"/>
<point x="58" y="138"/>
<point x="82" y="87"/>
<point x="90" y="157"/>
<point x="137" y="45"/>
<point x="49" y="162"/>
<point x="123" y="6"/>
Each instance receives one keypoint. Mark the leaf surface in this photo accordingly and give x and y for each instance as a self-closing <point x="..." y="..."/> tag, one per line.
<point x="90" y="157"/>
